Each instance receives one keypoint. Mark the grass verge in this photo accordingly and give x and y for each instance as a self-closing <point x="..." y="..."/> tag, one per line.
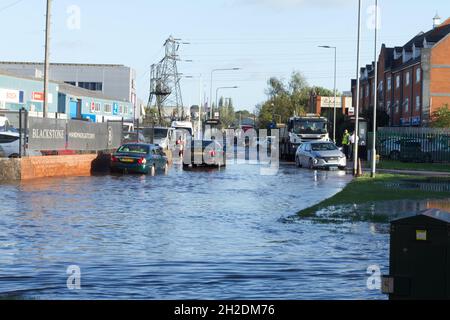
<point x="398" y="165"/>
<point x="367" y="190"/>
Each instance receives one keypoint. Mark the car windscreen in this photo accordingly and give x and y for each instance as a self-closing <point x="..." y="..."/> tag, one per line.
<point x="323" y="147"/>
<point x="134" y="149"/>
<point x="310" y="127"/>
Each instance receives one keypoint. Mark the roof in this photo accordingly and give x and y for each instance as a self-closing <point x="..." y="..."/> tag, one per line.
<point x="77" y="91"/>
<point x="432" y="36"/>
<point x="61" y="64"/>
<point x="65" y="88"/>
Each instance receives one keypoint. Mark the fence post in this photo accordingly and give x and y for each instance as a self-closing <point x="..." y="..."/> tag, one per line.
<point x="25" y="146"/>
<point x="20" y="133"/>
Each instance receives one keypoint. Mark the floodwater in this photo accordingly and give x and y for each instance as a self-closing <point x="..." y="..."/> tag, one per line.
<point x="203" y="234"/>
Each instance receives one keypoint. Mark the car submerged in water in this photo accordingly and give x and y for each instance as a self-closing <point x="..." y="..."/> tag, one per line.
<point x="204" y="153"/>
<point x="139" y="158"/>
<point x="323" y="155"/>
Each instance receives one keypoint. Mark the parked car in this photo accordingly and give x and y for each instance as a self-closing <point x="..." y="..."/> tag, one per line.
<point x="424" y="150"/>
<point x="9" y="146"/>
<point x="323" y="155"/>
<point x="139" y="158"/>
<point x="204" y="153"/>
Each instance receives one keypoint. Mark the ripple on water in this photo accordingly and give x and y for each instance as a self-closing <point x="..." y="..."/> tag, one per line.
<point x="195" y="234"/>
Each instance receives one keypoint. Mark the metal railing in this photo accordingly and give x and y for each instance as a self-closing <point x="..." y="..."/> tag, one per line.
<point x="414" y="144"/>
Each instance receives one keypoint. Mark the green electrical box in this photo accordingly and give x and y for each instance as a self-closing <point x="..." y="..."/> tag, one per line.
<point x="419" y="258"/>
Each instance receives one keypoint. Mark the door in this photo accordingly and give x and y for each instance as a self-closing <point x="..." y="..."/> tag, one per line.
<point x="73" y="107"/>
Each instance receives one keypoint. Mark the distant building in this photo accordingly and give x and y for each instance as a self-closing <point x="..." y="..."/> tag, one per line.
<point x="319" y="104"/>
<point x="413" y="80"/>
<point x="64" y="100"/>
<point x="111" y="80"/>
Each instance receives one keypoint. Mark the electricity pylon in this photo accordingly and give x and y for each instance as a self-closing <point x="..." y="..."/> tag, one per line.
<point x="165" y="87"/>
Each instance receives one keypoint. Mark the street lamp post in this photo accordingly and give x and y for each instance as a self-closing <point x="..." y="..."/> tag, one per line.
<point x="335" y="95"/>
<point x="358" y="87"/>
<point x="374" y="141"/>
<point x="211" y="88"/>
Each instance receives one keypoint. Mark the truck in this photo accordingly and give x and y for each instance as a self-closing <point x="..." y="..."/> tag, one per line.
<point x="299" y="130"/>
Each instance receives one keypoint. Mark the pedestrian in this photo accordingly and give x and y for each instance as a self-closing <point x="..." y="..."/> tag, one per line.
<point x="353" y="140"/>
<point x="180" y="144"/>
<point x="346" y="144"/>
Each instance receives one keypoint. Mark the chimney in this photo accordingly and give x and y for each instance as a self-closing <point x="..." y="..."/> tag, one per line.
<point x="436" y="21"/>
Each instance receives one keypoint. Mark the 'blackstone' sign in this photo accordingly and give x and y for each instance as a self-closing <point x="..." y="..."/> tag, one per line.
<point x="47" y="134"/>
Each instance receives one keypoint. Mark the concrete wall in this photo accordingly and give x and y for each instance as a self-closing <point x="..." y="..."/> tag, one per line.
<point x="52" y="166"/>
<point x="9" y="169"/>
<point x="56" y="166"/>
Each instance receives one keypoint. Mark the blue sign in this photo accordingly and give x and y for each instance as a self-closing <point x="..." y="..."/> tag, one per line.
<point x="416" y="121"/>
<point x="115" y="109"/>
<point x="91" y="117"/>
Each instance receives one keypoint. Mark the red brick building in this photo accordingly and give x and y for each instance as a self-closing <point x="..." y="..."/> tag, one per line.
<point x="413" y="80"/>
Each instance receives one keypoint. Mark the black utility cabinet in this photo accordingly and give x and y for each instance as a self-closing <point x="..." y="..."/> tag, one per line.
<point x="419" y="257"/>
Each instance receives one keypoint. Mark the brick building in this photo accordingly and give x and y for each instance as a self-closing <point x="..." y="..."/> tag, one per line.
<point x="413" y="80"/>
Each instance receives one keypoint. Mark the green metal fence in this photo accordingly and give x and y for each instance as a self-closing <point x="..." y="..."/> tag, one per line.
<point x="414" y="144"/>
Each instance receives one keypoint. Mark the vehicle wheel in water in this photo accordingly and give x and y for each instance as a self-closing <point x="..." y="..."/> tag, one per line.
<point x="297" y="162"/>
<point x="166" y="169"/>
<point x="153" y="171"/>
<point x="311" y="164"/>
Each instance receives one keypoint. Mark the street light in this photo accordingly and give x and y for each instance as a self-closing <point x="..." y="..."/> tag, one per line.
<point x="211" y="92"/>
<point x="335" y="73"/>
<point x="358" y="87"/>
<point x="217" y="94"/>
<point x="375" y="94"/>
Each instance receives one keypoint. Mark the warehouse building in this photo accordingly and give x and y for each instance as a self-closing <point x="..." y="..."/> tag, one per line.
<point x="64" y="100"/>
<point x="413" y="80"/>
<point x="112" y="80"/>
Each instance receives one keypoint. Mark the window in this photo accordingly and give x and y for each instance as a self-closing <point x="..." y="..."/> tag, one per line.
<point x="125" y="110"/>
<point x="381" y="86"/>
<point x="407" y="78"/>
<point x="108" y="108"/>
<point x="406" y="105"/>
<point x="7" y="138"/>
<point x="121" y="109"/>
<point x="97" y="107"/>
<point x="418" y="103"/>
<point x="418" y="75"/>
<point x="93" y="86"/>
<point x="389" y="84"/>
<point x="367" y="91"/>
<point x="71" y="83"/>
<point x="397" y="82"/>
<point x="388" y="107"/>
<point x="397" y="103"/>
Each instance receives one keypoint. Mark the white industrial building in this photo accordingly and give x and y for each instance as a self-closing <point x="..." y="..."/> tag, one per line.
<point x="115" y="81"/>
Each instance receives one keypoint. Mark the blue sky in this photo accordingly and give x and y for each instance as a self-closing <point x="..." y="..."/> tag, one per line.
<point x="263" y="37"/>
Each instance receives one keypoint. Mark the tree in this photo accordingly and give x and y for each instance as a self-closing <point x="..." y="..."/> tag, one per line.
<point x="441" y="117"/>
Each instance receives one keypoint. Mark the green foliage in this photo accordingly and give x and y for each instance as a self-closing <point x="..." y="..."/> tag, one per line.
<point x="151" y="116"/>
<point x="441" y="117"/>
<point x="287" y="99"/>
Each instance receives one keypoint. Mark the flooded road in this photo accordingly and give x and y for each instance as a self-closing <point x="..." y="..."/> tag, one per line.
<point x="189" y="235"/>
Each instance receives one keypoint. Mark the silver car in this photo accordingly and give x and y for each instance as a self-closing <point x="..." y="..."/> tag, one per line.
<point x="322" y="155"/>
